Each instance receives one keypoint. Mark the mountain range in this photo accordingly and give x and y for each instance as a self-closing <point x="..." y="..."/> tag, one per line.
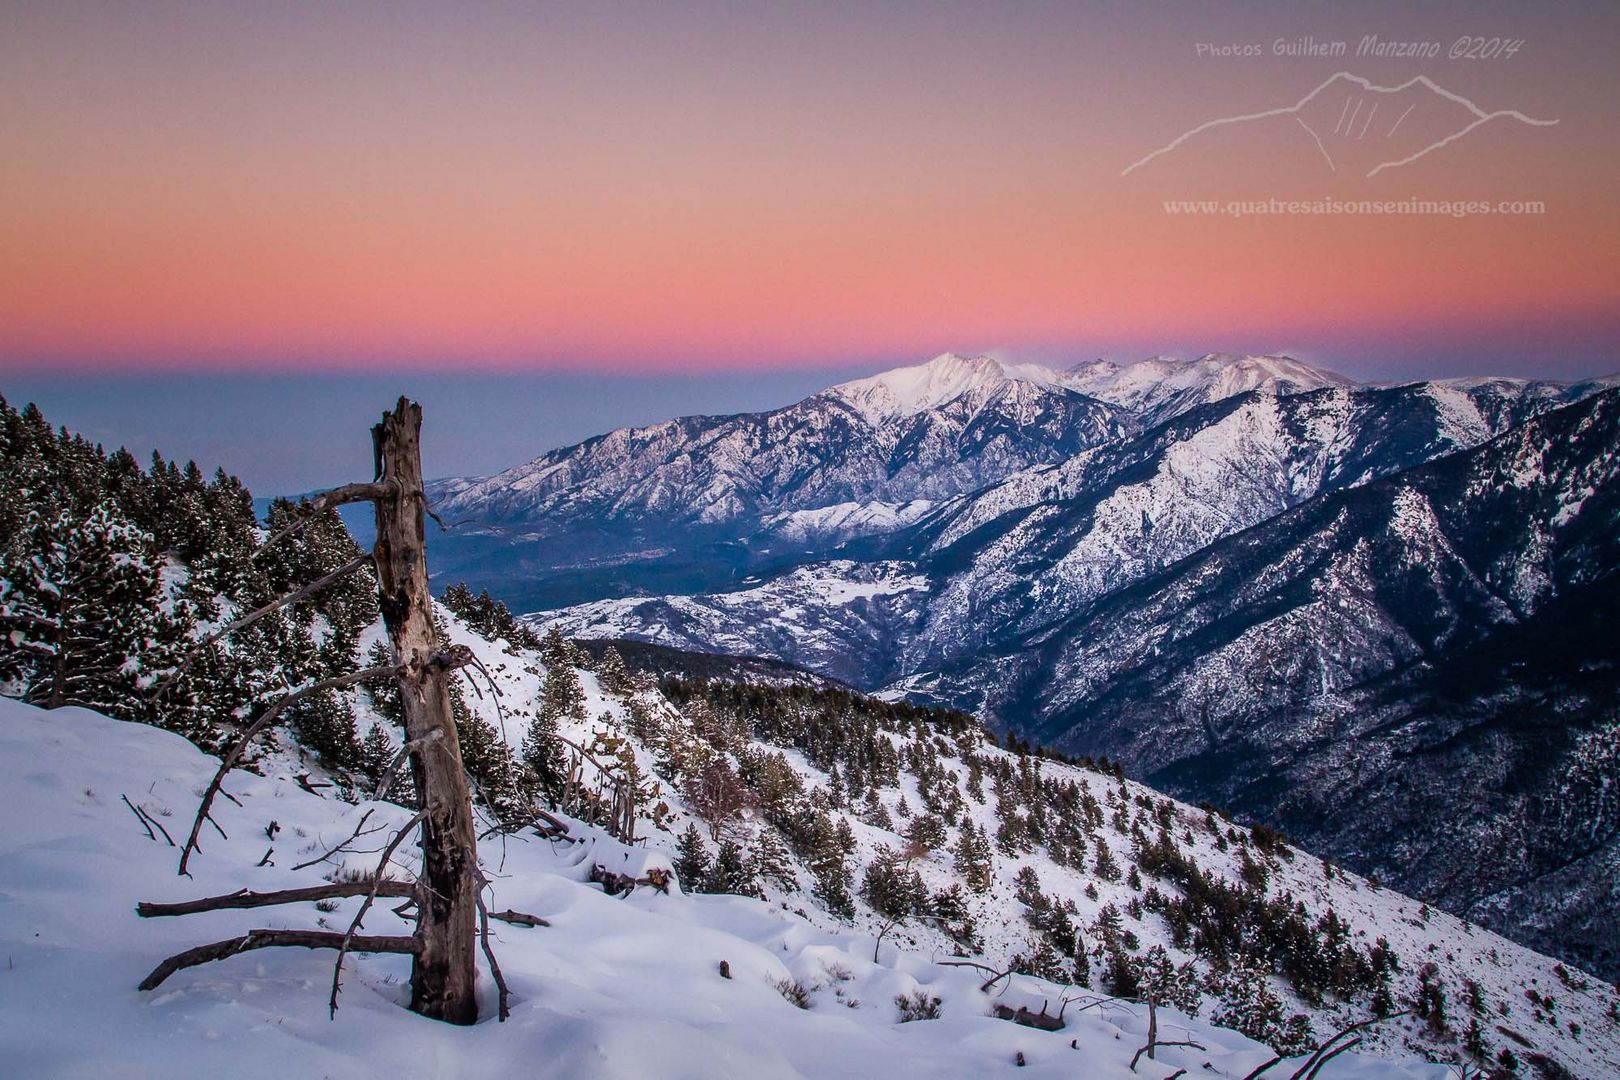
<point x="1319" y="603"/>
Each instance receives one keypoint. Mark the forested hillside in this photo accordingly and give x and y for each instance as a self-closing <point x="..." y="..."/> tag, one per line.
<point x="910" y="831"/>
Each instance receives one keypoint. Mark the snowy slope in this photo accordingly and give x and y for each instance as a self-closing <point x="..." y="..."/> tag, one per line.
<point x="1038" y="546"/>
<point x="1162" y="387"/>
<point x="1582" y="1030"/>
<point x="614" y="988"/>
<point x="839" y="618"/>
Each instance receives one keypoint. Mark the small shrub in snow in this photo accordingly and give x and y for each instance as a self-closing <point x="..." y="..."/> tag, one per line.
<point x="793" y="992"/>
<point x="917" y="1005"/>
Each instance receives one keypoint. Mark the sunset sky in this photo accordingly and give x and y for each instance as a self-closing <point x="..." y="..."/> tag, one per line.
<point x="655" y="190"/>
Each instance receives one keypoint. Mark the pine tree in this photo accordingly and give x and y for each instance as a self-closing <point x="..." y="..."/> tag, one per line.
<point x="732" y="872"/>
<point x="1041" y="962"/>
<point x="1106" y="868"/>
<point x="377" y="752"/>
<point x="1027" y="888"/>
<point x="1429" y="1002"/>
<point x="974" y="860"/>
<point x="1474" y="1044"/>
<point x="893" y="888"/>
<point x="554" y="648"/>
<point x="325" y="724"/>
<point x="543" y="754"/>
<point x="692" y="860"/>
<point x="1249" y="1006"/>
<point x="384" y="690"/>
<point x="845" y="836"/>
<point x="1119" y="973"/>
<point x="80" y="613"/>
<point x="874" y="813"/>
<point x="827" y="860"/>
<point x="612" y="673"/>
<point x="1166" y="984"/>
<point x="926" y="831"/>
<point x="772" y="861"/>
<point x="561" y="696"/>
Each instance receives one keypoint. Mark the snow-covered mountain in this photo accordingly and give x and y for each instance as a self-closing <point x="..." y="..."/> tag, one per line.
<point x="703" y="502"/>
<point x="1410" y="664"/>
<point x="1161" y="387"/>
<point x="1419" y="675"/>
<point x="1021" y="600"/>
<point x="1040" y="545"/>
<point x="933" y="430"/>
<point x="690" y="984"/>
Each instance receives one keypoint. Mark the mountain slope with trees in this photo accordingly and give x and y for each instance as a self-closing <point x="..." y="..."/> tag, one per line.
<point x="893" y="827"/>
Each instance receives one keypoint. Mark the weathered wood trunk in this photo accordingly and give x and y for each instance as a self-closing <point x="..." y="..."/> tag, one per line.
<point x="442" y="974"/>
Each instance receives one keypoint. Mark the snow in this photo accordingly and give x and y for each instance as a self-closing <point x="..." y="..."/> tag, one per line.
<point x="846" y="520"/>
<point x="1139" y="386"/>
<point x="614" y="988"/>
<point x="908" y="391"/>
<point x="1162" y="386"/>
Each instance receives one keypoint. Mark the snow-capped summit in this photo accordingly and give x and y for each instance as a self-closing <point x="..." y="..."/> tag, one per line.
<point x="1163" y="386"/>
<point x="928" y="432"/>
<point x="1155" y="389"/>
<point x="911" y="390"/>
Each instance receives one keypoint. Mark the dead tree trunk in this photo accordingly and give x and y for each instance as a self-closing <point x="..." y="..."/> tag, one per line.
<point x="442" y="973"/>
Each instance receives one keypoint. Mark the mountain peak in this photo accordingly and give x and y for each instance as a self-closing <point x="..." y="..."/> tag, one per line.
<point x="910" y="390"/>
<point x="1162" y="386"/>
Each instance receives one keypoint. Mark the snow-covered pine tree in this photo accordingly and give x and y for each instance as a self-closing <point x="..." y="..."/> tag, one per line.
<point x="927" y="831"/>
<point x="732" y="872"/>
<point x="874" y="813"/>
<point x="612" y="673"/>
<point x="561" y="696"/>
<point x="1166" y="984"/>
<point x="692" y="859"/>
<point x="772" y="861"/>
<point x="974" y="859"/>
<point x="377" y="751"/>
<point x="827" y="860"/>
<point x="893" y="887"/>
<point x="1250" y="1006"/>
<point x="543" y="754"/>
<point x="81" y="612"/>
<point x="325" y="724"/>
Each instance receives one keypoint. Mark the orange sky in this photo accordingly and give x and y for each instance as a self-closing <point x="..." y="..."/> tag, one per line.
<point x="653" y="187"/>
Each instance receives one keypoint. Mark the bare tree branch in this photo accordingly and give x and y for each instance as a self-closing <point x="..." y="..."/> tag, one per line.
<point x="264" y="939"/>
<point x="309" y="509"/>
<point x="1331" y="1054"/>
<point x="1322" y="1051"/>
<point x="140" y="817"/>
<point x="1308" y="1069"/>
<point x="503" y="994"/>
<point x="365" y="906"/>
<point x="1263" y="1068"/>
<point x="309" y="785"/>
<point x="389" y="774"/>
<point x="519" y="918"/>
<point x="555" y="828"/>
<point x="234" y="754"/>
<point x="242" y="898"/>
<point x="1155" y="1043"/>
<point x="351" y="839"/>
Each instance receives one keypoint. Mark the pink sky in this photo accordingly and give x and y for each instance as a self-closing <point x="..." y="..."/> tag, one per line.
<point x="662" y="188"/>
